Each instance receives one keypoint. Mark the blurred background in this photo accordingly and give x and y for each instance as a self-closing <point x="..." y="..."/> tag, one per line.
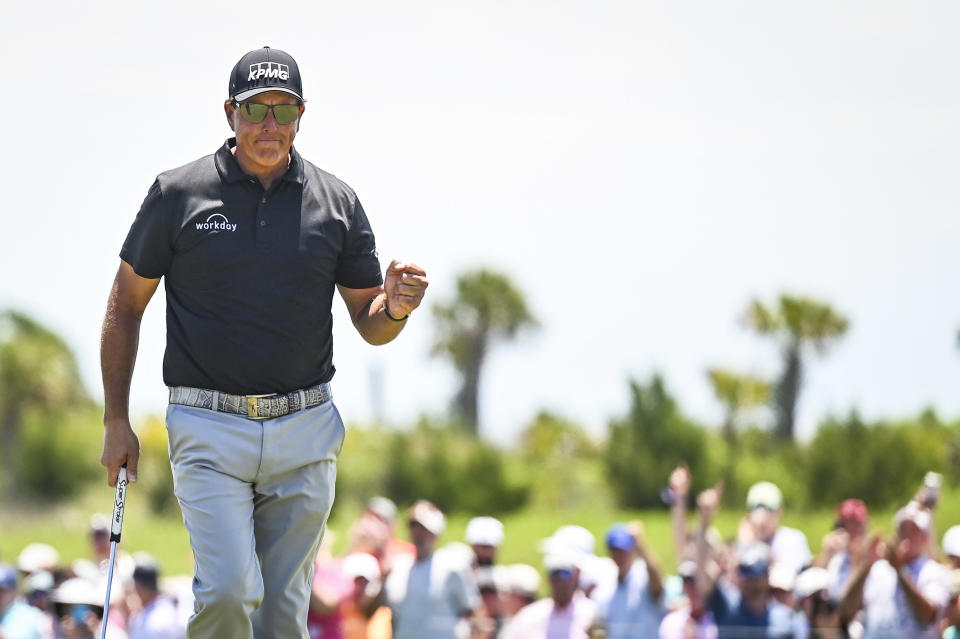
<point x="656" y="233"/>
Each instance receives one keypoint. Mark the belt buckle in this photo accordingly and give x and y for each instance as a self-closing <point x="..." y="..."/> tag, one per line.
<point x="253" y="406"/>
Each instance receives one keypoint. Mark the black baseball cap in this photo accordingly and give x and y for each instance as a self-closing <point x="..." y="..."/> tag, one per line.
<point x="263" y="70"/>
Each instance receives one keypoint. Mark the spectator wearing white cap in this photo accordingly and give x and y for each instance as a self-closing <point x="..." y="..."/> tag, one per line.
<point x="901" y="591"/>
<point x="566" y="614"/>
<point x="580" y="543"/>
<point x="523" y="584"/>
<point x="484" y="534"/>
<point x="431" y="594"/>
<point x="631" y="606"/>
<point x="79" y="608"/>
<point x="822" y="614"/>
<point x="762" y="523"/>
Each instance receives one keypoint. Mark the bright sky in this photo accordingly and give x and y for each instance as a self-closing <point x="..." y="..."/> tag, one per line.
<point x="641" y="169"/>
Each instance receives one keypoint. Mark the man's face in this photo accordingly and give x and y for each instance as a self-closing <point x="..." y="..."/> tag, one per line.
<point x="764" y="522"/>
<point x="563" y="584"/>
<point x="422" y="538"/>
<point x="854" y="527"/>
<point x="264" y="144"/>
<point x="485" y="554"/>
<point x="623" y="558"/>
<point x="910" y="540"/>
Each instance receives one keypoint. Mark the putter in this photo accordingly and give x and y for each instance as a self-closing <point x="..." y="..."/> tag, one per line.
<point x="115" y="526"/>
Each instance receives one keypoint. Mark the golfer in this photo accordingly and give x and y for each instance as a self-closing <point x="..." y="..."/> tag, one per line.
<point x="250" y="242"/>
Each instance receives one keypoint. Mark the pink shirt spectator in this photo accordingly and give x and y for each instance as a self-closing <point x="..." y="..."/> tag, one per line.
<point x="543" y="620"/>
<point x="674" y="626"/>
<point x="329" y="577"/>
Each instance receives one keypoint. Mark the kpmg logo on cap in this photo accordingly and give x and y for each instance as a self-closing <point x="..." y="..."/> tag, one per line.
<point x="268" y="70"/>
<point x="216" y="223"/>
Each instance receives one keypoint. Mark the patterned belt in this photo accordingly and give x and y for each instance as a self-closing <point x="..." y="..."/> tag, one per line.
<point x="252" y="406"/>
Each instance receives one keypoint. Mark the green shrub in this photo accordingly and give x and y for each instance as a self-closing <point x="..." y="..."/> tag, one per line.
<point x="882" y="463"/>
<point x="436" y="461"/>
<point x="58" y="453"/>
<point x="646" y="445"/>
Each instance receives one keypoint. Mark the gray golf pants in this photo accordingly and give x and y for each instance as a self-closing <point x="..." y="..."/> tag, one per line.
<point x="255" y="497"/>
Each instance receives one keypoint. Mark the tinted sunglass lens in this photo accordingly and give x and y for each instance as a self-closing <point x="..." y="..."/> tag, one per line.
<point x="286" y="113"/>
<point x="253" y="112"/>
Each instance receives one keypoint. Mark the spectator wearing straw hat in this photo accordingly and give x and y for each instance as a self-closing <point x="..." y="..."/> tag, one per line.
<point x="901" y="590"/>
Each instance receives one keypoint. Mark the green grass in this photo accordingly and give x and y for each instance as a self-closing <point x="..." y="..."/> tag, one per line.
<point x="64" y="527"/>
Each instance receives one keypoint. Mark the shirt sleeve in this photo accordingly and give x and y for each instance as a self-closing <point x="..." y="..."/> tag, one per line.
<point x="148" y="247"/>
<point x="466" y="595"/>
<point x="359" y="266"/>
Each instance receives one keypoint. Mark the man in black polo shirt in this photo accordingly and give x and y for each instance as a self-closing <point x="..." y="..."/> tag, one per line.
<point x="250" y="242"/>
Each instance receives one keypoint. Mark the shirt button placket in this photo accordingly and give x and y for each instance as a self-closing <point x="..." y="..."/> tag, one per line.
<point x="261" y="222"/>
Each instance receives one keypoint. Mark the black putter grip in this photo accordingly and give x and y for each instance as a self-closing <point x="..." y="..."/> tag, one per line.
<point x="120" y="499"/>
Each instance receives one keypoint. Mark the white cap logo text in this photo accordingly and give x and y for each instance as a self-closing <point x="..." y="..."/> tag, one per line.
<point x="268" y="70"/>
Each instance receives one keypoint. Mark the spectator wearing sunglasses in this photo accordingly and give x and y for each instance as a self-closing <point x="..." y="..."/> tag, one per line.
<point x="251" y="241"/>
<point x="566" y="614"/>
<point x="743" y="606"/>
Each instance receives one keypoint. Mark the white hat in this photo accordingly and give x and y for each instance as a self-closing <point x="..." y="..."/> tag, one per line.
<point x="484" y="531"/>
<point x="811" y="581"/>
<point x="383" y="508"/>
<point x="36" y="557"/>
<point x="40" y="580"/>
<point x="83" y="591"/>
<point x="361" y="564"/>
<point x="595" y="571"/>
<point x="782" y="577"/>
<point x="567" y="538"/>
<point x="951" y="541"/>
<point x="915" y="513"/>
<point x="764" y="494"/>
<point x="523" y="579"/>
<point x="428" y="516"/>
<point x="561" y="561"/>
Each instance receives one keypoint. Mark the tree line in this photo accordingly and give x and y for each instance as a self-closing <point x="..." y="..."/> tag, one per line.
<point x="50" y="430"/>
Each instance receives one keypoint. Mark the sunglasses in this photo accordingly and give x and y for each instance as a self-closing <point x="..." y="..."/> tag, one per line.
<point x="255" y="113"/>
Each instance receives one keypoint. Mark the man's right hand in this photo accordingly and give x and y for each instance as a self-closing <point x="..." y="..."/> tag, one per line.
<point x="120" y="446"/>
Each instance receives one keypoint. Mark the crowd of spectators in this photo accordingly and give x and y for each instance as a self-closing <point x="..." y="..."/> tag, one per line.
<point x="763" y="582"/>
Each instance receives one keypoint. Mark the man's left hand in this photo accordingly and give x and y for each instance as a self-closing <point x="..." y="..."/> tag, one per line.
<point x="404" y="286"/>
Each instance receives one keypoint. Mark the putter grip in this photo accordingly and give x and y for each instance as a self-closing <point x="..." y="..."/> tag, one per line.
<point x="120" y="499"/>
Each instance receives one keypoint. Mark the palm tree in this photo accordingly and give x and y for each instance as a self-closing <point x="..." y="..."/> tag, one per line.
<point x="37" y="372"/>
<point x="795" y="322"/>
<point x="487" y="308"/>
<point x="738" y="393"/>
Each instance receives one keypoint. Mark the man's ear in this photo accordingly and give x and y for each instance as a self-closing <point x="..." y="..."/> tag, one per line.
<point x="229" y="111"/>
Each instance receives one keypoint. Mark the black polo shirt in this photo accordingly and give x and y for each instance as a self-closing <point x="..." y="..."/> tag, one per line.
<point x="250" y="274"/>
